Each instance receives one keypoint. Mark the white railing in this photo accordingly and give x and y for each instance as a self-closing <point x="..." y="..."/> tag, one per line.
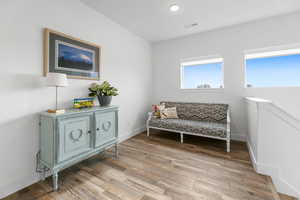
<point x="274" y="144"/>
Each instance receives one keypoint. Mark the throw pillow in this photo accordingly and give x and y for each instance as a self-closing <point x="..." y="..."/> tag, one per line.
<point x="157" y="109"/>
<point x="169" y="113"/>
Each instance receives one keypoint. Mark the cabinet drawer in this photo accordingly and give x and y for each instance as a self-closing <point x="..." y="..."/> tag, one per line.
<point x="105" y="128"/>
<point x="74" y="136"/>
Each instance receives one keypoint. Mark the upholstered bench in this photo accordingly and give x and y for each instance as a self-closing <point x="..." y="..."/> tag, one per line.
<point x="200" y="119"/>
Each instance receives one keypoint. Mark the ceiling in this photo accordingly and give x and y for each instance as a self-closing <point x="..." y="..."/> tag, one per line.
<point x="152" y="20"/>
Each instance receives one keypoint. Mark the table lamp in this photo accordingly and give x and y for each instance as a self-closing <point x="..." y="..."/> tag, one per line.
<point x="56" y="80"/>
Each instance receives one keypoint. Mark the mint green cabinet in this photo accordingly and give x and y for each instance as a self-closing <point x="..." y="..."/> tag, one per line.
<point x="74" y="136"/>
<point x="105" y="129"/>
<point x="71" y="137"/>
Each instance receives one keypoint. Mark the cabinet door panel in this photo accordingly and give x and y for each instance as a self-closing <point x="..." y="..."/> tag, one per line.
<point x="74" y="136"/>
<point x="105" y="128"/>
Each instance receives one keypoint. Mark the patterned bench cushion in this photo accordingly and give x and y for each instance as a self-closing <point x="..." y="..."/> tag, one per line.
<point x="207" y="112"/>
<point x="196" y="127"/>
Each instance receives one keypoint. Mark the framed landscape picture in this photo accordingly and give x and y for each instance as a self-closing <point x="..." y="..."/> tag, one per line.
<point x="71" y="56"/>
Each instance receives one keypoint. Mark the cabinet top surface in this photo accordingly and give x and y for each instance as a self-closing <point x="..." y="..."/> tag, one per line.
<point x="78" y="111"/>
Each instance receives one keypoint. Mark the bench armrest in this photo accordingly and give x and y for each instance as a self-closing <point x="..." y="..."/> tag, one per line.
<point x="150" y="114"/>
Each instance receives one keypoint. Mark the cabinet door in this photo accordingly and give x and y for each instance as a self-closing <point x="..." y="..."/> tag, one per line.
<point x="105" y="128"/>
<point x="74" y="136"/>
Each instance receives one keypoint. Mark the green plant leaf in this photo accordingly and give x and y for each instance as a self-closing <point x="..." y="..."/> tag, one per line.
<point x="104" y="88"/>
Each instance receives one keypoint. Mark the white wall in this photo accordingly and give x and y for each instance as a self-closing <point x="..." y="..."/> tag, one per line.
<point x="230" y="43"/>
<point x="126" y="62"/>
<point x="273" y="141"/>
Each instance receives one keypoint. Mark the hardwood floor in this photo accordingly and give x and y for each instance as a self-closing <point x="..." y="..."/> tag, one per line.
<point x="159" y="167"/>
<point x="286" y="197"/>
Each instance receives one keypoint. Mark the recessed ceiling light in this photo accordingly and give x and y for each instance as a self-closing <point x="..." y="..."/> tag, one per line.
<point x="174" y="8"/>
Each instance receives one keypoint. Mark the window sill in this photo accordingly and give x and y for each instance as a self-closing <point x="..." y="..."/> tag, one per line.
<point x="273" y="87"/>
<point x="202" y="90"/>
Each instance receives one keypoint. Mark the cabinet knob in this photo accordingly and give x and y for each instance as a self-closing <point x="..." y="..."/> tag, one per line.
<point x="89" y="132"/>
<point x="97" y="129"/>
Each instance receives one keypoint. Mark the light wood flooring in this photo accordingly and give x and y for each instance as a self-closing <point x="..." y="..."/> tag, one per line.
<point x="160" y="168"/>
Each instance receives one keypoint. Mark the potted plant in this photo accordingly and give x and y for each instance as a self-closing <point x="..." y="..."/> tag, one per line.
<point x="104" y="92"/>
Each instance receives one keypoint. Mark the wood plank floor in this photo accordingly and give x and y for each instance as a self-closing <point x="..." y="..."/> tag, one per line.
<point x="286" y="197"/>
<point x="159" y="167"/>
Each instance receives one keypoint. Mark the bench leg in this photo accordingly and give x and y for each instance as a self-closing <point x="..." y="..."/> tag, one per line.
<point x="181" y="138"/>
<point x="228" y="145"/>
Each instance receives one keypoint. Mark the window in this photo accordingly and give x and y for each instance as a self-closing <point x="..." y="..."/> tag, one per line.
<point x="273" y="69"/>
<point x="202" y="74"/>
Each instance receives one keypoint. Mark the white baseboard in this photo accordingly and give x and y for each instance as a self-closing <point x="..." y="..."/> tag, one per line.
<point x="136" y="131"/>
<point x="281" y="185"/>
<point x="18" y="185"/>
<point x="252" y="157"/>
<point x="284" y="187"/>
<point x="238" y="137"/>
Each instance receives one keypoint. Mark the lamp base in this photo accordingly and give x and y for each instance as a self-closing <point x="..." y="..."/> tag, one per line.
<point x="56" y="111"/>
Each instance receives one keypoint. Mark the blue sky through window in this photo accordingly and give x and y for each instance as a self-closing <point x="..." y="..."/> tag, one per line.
<point x="196" y="75"/>
<point x="273" y="71"/>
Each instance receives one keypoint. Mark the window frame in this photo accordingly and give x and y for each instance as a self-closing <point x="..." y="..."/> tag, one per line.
<point x="201" y="61"/>
<point x="268" y="53"/>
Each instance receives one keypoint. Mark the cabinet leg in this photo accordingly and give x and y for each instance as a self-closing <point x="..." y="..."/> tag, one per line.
<point x="116" y="151"/>
<point x="55" y="181"/>
<point x="44" y="173"/>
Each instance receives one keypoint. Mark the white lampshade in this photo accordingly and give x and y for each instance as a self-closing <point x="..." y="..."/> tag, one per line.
<point x="57" y="80"/>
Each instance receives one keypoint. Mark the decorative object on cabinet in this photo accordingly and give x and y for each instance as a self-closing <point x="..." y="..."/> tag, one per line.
<point x="83" y="102"/>
<point x="76" y="135"/>
<point x="104" y="92"/>
<point x="56" y="80"/>
<point x="72" y="56"/>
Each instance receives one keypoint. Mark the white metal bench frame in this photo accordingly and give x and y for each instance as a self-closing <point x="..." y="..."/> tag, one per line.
<point x="227" y="139"/>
